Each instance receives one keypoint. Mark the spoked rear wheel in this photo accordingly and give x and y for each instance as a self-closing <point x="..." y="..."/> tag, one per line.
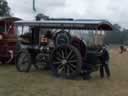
<point x="66" y="61"/>
<point x="23" y="61"/>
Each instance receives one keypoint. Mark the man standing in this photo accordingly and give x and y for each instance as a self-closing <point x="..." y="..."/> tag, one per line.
<point x="104" y="58"/>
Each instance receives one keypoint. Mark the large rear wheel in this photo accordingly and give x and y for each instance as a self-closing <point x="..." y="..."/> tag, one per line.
<point x="66" y="61"/>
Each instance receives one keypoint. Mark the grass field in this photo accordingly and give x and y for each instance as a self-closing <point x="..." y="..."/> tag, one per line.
<point x="13" y="83"/>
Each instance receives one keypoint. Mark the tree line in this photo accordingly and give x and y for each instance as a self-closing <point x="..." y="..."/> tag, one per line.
<point x="119" y="35"/>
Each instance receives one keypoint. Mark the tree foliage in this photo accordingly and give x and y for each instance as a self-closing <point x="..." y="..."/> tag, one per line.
<point x="4" y="8"/>
<point x="117" y="36"/>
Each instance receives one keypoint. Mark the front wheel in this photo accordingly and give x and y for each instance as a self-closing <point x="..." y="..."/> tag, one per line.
<point x="42" y="61"/>
<point x="23" y="61"/>
<point x="66" y="61"/>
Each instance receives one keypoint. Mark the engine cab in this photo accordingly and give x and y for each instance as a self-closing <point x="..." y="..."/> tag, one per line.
<point x="7" y="39"/>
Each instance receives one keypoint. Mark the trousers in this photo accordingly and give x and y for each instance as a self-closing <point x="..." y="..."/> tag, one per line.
<point x="104" y="68"/>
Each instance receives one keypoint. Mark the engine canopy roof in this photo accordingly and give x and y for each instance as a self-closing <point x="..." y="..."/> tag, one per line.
<point x="87" y="24"/>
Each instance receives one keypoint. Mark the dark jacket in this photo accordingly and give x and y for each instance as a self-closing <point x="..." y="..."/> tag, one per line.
<point x="104" y="55"/>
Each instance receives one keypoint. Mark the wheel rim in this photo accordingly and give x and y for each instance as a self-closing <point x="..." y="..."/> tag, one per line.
<point x="65" y="61"/>
<point x="23" y="62"/>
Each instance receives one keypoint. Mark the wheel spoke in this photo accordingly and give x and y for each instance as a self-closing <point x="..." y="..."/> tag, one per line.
<point x="69" y="54"/>
<point x="60" y="69"/>
<point x="25" y="60"/>
<point x="58" y="58"/>
<point x="72" y="61"/>
<point x="61" y="65"/>
<point x="72" y="65"/>
<point x="59" y="55"/>
<point x="71" y="57"/>
<point x="57" y="62"/>
<point x="72" y="70"/>
<point x="66" y="52"/>
<point x="24" y="65"/>
<point x="68" y="70"/>
<point x="62" y="53"/>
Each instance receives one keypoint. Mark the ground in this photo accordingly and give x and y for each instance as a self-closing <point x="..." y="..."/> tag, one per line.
<point x="42" y="83"/>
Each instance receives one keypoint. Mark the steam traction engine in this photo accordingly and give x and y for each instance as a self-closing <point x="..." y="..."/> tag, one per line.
<point x="7" y="39"/>
<point x="65" y="46"/>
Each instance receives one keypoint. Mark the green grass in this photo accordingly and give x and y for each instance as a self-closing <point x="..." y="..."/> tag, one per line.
<point x="42" y="83"/>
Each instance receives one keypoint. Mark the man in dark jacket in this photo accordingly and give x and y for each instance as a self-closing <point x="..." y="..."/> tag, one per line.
<point x="104" y="58"/>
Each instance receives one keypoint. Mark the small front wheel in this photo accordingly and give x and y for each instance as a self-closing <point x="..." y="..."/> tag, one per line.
<point x="42" y="61"/>
<point x="23" y="61"/>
